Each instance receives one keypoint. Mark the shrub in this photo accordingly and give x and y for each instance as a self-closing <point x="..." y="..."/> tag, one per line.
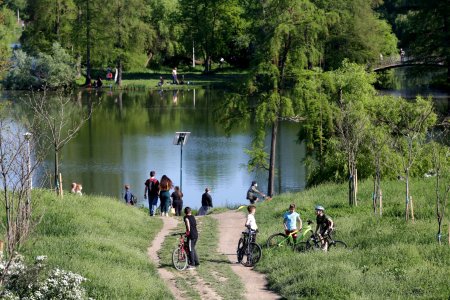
<point x="55" y="70"/>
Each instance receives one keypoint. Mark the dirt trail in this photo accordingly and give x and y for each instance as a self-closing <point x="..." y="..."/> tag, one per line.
<point x="152" y="251"/>
<point x="231" y="225"/>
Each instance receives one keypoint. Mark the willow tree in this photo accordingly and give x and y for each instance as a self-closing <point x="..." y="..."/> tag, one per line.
<point x="289" y="43"/>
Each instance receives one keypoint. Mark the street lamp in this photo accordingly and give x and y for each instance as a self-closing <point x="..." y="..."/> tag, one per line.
<point x="181" y="139"/>
<point x="27" y="137"/>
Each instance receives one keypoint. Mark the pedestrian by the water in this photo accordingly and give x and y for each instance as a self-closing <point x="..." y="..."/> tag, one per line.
<point x="251" y="221"/>
<point x="206" y="203"/>
<point x="165" y="186"/>
<point x="177" y="201"/>
<point x="152" y="190"/>
<point x="78" y="189"/>
<point x="174" y="76"/>
<point x="192" y="236"/>
<point x="161" y="81"/>
<point x="73" y="189"/>
<point x="253" y="192"/>
<point x="128" y="196"/>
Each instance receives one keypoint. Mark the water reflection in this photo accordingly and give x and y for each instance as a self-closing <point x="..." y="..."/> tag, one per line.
<point x="131" y="133"/>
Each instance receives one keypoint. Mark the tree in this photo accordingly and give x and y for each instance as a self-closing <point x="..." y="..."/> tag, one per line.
<point x="59" y="119"/>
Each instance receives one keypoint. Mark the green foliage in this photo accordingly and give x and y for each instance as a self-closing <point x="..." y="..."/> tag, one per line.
<point x="49" y="71"/>
<point x="387" y="258"/>
<point x="94" y="237"/>
<point x="8" y="32"/>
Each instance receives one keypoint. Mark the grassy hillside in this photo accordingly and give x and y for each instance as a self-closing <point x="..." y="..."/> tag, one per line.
<point x="102" y="239"/>
<point x="388" y="258"/>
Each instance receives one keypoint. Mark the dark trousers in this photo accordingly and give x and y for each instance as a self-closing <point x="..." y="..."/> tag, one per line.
<point x="178" y="205"/>
<point x="193" y="258"/>
<point x="152" y="203"/>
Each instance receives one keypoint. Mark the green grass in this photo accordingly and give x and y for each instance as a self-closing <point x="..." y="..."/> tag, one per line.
<point x="214" y="269"/>
<point x="103" y="240"/>
<point x="388" y="258"/>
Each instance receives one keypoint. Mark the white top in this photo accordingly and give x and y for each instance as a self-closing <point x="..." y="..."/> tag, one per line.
<point x="251" y="221"/>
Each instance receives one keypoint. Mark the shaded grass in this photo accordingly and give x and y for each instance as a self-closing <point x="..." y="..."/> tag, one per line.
<point x="103" y="240"/>
<point x="214" y="268"/>
<point x="388" y="258"/>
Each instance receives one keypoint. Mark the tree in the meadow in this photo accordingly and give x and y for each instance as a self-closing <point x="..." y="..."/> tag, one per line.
<point x="211" y="26"/>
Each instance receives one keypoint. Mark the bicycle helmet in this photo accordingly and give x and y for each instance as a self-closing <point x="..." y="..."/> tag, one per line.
<point x="319" y="207"/>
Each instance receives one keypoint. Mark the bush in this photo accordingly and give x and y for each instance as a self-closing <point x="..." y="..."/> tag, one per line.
<point x="52" y="71"/>
<point x="21" y="281"/>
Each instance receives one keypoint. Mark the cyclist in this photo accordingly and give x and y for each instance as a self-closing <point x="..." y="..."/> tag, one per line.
<point x="290" y="219"/>
<point x="251" y="222"/>
<point x="324" y="226"/>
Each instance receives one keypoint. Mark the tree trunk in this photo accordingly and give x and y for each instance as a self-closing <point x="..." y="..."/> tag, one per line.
<point x="119" y="72"/>
<point x="149" y="58"/>
<point x="88" y="42"/>
<point x="407" y="194"/>
<point x="273" y="146"/>
<point x="56" y="170"/>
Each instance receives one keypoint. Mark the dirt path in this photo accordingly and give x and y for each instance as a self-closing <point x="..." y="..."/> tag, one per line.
<point x="152" y="251"/>
<point x="231" y="224"/>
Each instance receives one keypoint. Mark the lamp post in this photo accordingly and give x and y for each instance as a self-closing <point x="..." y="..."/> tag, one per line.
<point x="27" y="137"/>
<point x="179" y="140"/>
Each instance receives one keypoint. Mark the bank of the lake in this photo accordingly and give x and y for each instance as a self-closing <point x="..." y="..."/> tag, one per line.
<point x="388" y="258"/>
<point x="101" y="239"/>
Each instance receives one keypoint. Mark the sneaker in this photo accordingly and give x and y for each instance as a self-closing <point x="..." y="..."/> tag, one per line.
<point x="190" y="268"/>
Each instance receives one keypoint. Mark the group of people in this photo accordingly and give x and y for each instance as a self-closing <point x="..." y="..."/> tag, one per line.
<point x="291" y="218"/>
<point x="76" y="188"/>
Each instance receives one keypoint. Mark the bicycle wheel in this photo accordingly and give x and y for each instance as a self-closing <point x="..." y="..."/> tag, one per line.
<point x="303" y="247"/>
<point x="276" y="240"/>
<point x="179" y="259"/>
<point x="337" y="245"/>
<point x="240" y="250"/>
<point x="253" y="254"/>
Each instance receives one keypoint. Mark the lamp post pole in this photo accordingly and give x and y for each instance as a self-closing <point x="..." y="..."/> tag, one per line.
<point x="27" y="136"/>
<point x="179" y="140"/>
<point x="181" y="166"/>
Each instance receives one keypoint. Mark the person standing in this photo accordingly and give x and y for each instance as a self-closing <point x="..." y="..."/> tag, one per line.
<point x="252" y="193"/>
<point x="177" y="201"/>
<point x="165" y="186"/>
<point x="290" y="219"/>
<point x="174" y="76"/>
<point x="128" y="196"/>
<point x="152" y="189"/>
<point x="192" y="236"/>
<point x="206" y="203"/>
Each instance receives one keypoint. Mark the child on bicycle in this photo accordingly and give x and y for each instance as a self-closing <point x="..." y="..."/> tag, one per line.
<point x="251" y="221"/>
<point x="324" y="226"/>
<point x="290" y="219"/>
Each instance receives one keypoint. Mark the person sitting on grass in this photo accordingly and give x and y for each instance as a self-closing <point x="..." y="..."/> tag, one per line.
<point x="161" y="81"/>
<point x="251" y="222"/>
<point x="290" y="219"/>
<point x="324" y="226"/>
<point x="192" y="237"/>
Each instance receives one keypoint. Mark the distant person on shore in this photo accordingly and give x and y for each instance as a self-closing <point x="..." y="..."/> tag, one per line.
<point x="192" y="236"/>
<point x="206" y="203"/>
<point x="99" y="82"/>
<point x="290" y="219"/>
<point x="165" y="186"/>
<point x="152" y="190"/>
<point x="73" y="189"/>
<point x="253" y="192"/>
<point x="174" y="76"/>
<point x="78" y="189"/>
<point x="161" y="81"/>
<point x="128" y="196"/>
<point x="177" y="201"/>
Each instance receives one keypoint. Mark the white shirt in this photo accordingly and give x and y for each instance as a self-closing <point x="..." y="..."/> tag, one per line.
<point x="251" y="221"/>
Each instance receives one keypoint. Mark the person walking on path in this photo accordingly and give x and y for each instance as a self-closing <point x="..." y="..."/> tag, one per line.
<point x="165" y="186"/>
<point x="252" y="193"/>
<point x="206" y="203"/>
<point x="128" y="196"/>
<point x="177" y="201"/>
<point x="192" y="235"/>
<point x="152" y="189"/>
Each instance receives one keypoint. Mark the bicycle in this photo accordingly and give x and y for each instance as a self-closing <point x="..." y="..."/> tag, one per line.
<point x="283" y="240"/>
<point x="314" y="243"/>
<point x="180" y="254"/>
<point x="247" y="247"/>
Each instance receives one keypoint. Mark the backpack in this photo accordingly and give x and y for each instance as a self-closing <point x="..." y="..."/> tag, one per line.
<point x="153" y="186"/>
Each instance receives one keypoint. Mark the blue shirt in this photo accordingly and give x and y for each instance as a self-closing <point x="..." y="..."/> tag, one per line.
<point x="290" y="219"/>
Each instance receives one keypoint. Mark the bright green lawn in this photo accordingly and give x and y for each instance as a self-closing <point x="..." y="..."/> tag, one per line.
<point x="387" y="259"/>
<point x="102" y="239"/>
